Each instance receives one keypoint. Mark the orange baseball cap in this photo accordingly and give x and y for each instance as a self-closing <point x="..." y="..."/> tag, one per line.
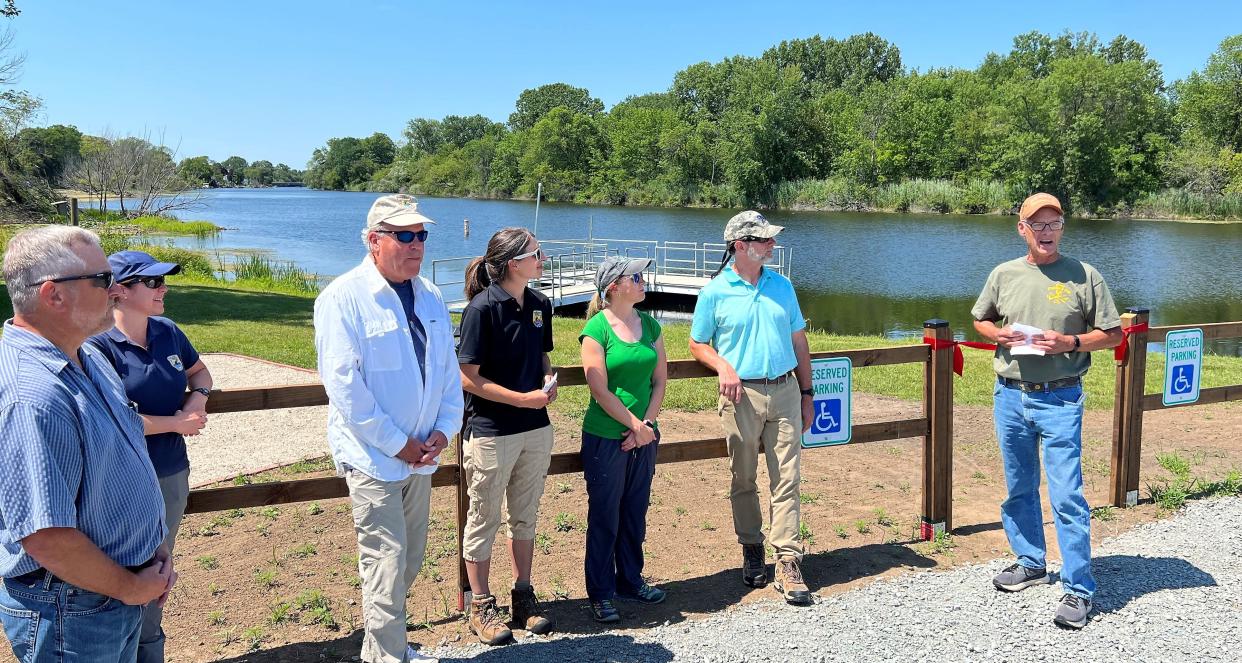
<point x="1036" y="202"/>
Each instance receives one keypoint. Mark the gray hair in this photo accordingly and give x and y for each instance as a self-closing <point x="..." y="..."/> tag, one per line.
<point x="42" y="253"/>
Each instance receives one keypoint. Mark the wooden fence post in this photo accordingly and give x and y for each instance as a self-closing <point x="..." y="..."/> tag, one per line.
<point x="938" y="442"/>
<point x="1128" y="410"/>
<point x="73" y="211"/>
<point x="463" y="505"/>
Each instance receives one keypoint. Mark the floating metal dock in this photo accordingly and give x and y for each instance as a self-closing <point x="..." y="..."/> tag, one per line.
<point x="678" y="269"/>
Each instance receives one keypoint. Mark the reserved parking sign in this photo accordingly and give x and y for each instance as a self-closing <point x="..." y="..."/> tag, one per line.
<point x="1183" y="366"/>
<point x="832" y="381"/>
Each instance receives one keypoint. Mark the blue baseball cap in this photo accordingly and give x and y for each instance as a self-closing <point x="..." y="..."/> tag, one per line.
<point x="128" y="265"/>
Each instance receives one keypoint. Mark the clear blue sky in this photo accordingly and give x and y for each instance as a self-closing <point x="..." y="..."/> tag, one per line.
<point x="268" y="79"/>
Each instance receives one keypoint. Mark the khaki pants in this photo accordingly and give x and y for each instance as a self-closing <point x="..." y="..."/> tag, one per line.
<point x="509" y="469"/>
<point x="390" y="518"/>
<point x="771" y="414"/>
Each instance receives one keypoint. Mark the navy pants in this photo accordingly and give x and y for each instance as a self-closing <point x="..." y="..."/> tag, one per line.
<point x="618" y="493"/>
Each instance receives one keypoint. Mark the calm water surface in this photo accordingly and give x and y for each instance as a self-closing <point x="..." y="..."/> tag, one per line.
<point x="856" y="273"/>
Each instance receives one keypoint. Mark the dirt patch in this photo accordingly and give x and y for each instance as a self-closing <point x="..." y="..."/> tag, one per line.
<point x="284" y="580"/>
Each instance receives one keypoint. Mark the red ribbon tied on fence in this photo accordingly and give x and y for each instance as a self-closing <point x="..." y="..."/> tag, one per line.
<point x="1120" y="352"/>
<point x="959" y="361"/>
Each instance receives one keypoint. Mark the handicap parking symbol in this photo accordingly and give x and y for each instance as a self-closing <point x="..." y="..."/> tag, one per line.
<point x="827" y="416"/>
<point x="1183" y="378"/>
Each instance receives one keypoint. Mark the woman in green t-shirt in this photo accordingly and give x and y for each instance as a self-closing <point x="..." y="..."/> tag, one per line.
<point x="623" y="357"/>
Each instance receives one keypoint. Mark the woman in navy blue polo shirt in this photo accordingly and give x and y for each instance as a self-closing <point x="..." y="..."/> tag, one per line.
<point x="168" y="383"/>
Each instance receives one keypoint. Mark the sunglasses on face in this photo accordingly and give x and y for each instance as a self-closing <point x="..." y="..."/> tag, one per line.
<point x="102" y="280"/>
<point x="1051" y="225"/>
<point x="536" y="252"/>
<point x="759" y="240"/>
<point x="637" y="277"/>
<point x="406" y="236"/>
<point x="151" y="282"/>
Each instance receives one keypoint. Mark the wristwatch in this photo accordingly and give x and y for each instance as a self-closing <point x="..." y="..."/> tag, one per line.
<point x="1077" y="343"/>
<point x="649" y="423"/>
<point x="808" y="392"/>
<point x="203" y="390"/>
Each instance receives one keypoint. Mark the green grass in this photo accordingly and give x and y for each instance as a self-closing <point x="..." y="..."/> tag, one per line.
<point x="165" y="226"/>
<point x="246" y="319"/>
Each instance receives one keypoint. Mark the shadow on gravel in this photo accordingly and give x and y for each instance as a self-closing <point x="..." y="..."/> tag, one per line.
<point x="590" y="648"/>
<point x="720" y="591"/>
<point x="1123" y="578"/>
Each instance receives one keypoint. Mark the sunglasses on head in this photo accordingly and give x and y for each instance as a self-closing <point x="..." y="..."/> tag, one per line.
<point x="102" y="279"/>
<point x="151" y="282"/>
<point x="406" y="236"/>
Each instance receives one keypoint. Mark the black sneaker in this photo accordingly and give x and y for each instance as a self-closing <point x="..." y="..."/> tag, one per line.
<point x="754" y="568"/>
<point x="1072" y="611"/>
<point x="1016" y="578"/>
<point x="645" y="594"/>
<point x="604" y="612"/>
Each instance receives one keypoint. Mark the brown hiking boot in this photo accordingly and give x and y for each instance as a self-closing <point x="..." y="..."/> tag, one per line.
<point x="754" y="567"/>
<point x="487" y="622"/>
<point x="789" y="581"/>
<point x="527" y="613"/>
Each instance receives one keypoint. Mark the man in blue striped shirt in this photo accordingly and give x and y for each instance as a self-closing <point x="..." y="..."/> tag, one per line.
<point x="81" y="516"/>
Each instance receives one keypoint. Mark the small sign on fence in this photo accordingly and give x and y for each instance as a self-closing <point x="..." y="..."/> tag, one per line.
<point x="1183" y="366"/>
<point x="832" y="380"/>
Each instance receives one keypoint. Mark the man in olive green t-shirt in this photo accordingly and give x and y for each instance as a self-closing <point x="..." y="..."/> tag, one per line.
<point x="1046" y="312"/>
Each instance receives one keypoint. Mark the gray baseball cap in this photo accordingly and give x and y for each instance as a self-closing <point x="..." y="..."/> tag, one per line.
<point x="397" y="209"/>
<point x="750" y="224"/>
<point x="614" y="267"/>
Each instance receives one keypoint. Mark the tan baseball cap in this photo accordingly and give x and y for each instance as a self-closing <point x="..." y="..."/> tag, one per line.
<point x="1036" y="202"/>
<point x="397" y="209"/>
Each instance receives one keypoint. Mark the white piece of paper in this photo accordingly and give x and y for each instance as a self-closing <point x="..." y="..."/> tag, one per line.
<point x="1028" y="348"/>
<point x="552" y="383"/>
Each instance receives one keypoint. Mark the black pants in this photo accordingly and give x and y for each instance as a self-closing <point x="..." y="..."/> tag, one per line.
<point x="618" y="491"/>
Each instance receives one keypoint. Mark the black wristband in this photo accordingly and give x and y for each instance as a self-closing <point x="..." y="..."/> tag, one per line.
<point x="808" y="392"/>
<point x="1077" y="343"/>
<point x="202" y="390"/>
<point x="650" y="424"/>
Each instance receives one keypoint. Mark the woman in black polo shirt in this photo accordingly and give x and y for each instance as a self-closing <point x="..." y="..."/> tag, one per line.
<point x="168" y="383"/>
<point x="506" y="335"/>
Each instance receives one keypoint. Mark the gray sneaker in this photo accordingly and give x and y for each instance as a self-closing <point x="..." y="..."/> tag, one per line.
<point x="1072" y="611"/>
<point x="1016" y="578"/>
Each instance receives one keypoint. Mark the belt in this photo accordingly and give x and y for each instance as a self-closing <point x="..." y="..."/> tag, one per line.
<point x="776" y="380"/>
<point x="38" y="575"/>
<point x="1041" y="386"/>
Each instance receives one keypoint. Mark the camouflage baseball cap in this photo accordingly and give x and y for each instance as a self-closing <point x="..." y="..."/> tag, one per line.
<point x="750" y="224"/>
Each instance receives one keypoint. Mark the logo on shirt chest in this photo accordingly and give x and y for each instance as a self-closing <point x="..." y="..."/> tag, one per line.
<point x="536" y="318"/>
<point x="175" y="361"/>
<point x="1059" y="293"/>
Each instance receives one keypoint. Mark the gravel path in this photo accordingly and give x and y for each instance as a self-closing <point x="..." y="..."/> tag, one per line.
<point x="238" y="442"/>
<point x="1169" y="591"/>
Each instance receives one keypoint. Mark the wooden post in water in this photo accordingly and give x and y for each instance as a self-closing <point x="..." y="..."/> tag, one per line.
<point x="73" y="211"/>
<point x="1128" y="411"/>
<point x="937" y="513"/>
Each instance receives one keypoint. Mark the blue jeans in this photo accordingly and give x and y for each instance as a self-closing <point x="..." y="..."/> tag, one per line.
<point x="50" y="621"/>
<point x="618" y="493"/>
<point x="1025" y="422"/>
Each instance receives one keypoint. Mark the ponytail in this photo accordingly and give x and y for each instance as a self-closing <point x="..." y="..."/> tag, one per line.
<point x="493" y="265"/>
<point x="597" y="304"/>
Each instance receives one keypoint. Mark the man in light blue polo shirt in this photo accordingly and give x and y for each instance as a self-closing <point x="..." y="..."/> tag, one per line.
<point x="749" y="328"/>
<point x="81" y="516"/>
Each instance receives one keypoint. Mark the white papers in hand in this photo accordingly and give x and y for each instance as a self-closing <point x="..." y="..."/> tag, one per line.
<point x="552" y="383"/>
<point x="1027" y="348"/>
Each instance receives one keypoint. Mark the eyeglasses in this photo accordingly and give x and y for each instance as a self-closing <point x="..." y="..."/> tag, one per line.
<point x="406" y="236"/>
<point x="151" y="282"/>
<point x="102" y="279"/>
<point x="1050" y="225"/>
<point x="636" y="277"/>
<point x="760" y="240"/>
<point x="538" y="252"/>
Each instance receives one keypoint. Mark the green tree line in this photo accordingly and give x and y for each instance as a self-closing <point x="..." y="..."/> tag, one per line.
<point x="830" y="123"/>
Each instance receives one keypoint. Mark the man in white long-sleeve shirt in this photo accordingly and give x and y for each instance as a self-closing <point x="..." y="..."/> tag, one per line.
<point x="386" y="358"/>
